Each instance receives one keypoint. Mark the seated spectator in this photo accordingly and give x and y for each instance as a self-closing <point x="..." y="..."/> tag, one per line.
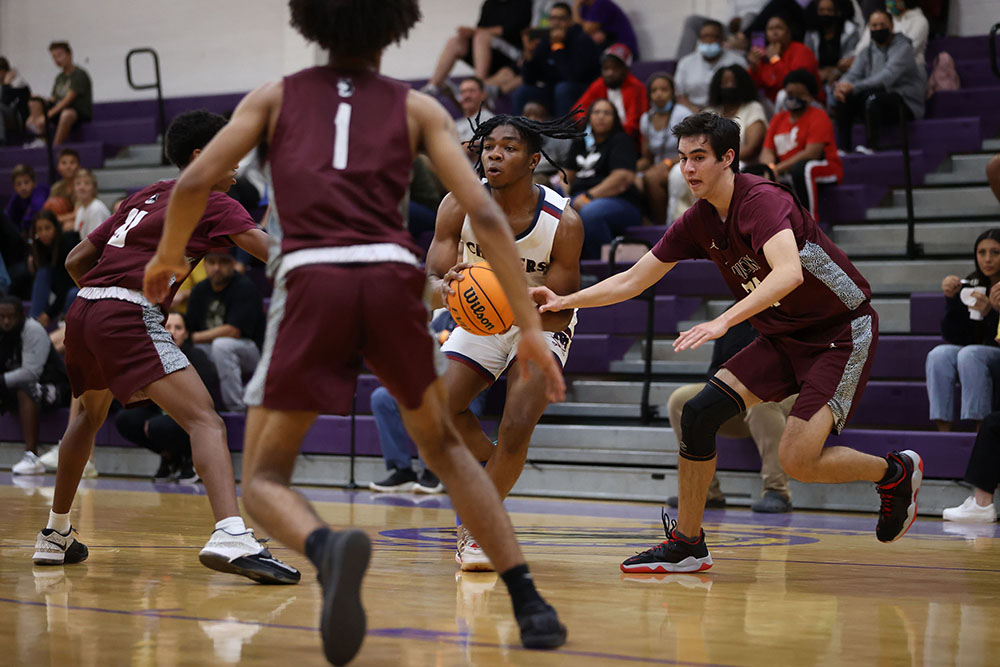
<point x="53" y="290"/>
<point x="14" y="256"/>
<point x="770" y="66"/>
<point x="606" y="23"/>
<point x="34" y="124"/>
<point x="884" y="68"/>
<point x="90" y="211"/>
<point x="148" y="426"/>
<point x="62" y="197"/>
<point x="659" y="145"/>
<point x="556" y="149"/>
<point x="695" y="71"/>
<point x="832" y="38"/>
<point x="226" y="314"/>
<point x="492" y="47"/>
<point x="907" y="19"/>
<point x="619" y="85"/>
<point x="28" y="199"/>
<point x="742" y="13"/>
<point x="799" y="146"/>
<point x="558" y="67"/>
<point x="472" y="100"/>
<point x="72" y="97"/>
<point x="14" y="94"/>
<point x="983" y="473"/>
<point x="763" y="422"/>
<point x="732" y="94"/>
<point x="34" y="378"/>
<point x="601" y="172"/>
<point x="970" y="354"/>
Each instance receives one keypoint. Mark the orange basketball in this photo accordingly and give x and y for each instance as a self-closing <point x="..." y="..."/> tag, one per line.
<point x="479" y="305"/>
<point x="58" y="205"/>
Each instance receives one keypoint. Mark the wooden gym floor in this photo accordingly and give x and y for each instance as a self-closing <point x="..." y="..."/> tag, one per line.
<point x="799" y="589"/>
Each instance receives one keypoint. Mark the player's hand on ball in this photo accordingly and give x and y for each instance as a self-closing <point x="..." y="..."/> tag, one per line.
<point x="547" y="300"/>
<point x="159" y="276"/>
<point x="533" y="349"/>
<point x="701" y="333"/>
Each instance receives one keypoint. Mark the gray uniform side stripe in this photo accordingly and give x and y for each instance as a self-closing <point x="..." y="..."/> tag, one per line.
<point x="254" y="394"/>
<point x="815" y="260"/>
<point x="861" y="339"/>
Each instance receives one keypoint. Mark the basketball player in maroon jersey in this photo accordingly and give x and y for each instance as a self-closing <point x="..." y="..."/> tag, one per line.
<point x="117" y="347"/>
<point x="548" y="238"/>
<point x="348" y="284"/>
<point x="818" y="333"/>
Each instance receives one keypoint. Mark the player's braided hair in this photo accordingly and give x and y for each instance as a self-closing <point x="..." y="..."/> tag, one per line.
<point x="532" y="132"/>
<point x="354" y="27"/>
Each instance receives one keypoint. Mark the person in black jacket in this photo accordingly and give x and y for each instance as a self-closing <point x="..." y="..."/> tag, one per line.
<point x="148" y="426"/>
<point x="559" y="66"/>
<point x="49" y="249"/>
<point x="970" y="353"/>
<point x="14" y="252"/>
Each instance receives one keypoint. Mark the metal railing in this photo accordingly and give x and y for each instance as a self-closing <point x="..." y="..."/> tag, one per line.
<point x="147" y="86"/>
<point x="993" y="50"/>
<point x="647" y="412"/>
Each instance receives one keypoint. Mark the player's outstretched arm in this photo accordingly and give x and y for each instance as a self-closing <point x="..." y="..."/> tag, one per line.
<point x="619" y="287"/>
<point x="248" y="127"/>
<point x="254" y="241"/>
<point x="563" y="276"/>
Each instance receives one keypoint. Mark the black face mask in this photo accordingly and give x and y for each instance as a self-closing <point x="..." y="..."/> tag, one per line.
<point x="826" y="22"/>
<point x="795" y="103"/>
<point x="881" y="36"/>
<point x="729" y="95"/>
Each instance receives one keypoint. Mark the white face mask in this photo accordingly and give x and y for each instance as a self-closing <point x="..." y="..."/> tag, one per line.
<point x="710" y="50"/>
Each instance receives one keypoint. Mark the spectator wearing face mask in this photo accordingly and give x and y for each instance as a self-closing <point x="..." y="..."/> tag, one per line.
<point x="695" y="70"/>
<point x="620" y="87"/>
<point x="799" y="147"/>
<point x="907" y="19"/>
<point x="769" y="66"/>
<point x="832" y="37"/>
<point x="884" y="67"/>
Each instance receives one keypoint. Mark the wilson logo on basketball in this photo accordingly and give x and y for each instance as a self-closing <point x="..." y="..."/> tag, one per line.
<point x="478" y="304"/>
<point x="477" y="309"/>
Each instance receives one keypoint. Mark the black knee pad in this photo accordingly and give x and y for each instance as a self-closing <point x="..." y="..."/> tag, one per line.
<point x="702" y="417"/>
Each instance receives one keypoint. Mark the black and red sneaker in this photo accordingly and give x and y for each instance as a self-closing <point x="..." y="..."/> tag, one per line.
<point x="899" y="498"/>
<point x="674" y="554"/>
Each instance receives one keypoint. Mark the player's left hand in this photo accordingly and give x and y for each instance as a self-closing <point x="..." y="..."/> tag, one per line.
<point x="159" y="276"/>
<point x="701" y="333"/>
<point x="532" y="348"/>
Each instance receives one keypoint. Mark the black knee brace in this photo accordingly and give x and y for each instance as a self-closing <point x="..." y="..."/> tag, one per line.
<point x="702" y="417"/>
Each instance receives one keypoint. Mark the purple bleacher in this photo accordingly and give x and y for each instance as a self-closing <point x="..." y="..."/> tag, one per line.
<point x="895" y="403"/>
<point x="959" y="103"/>
<point x="630" y="316"/>
<point x="848" y="203"/>
<point x="885" y="168"/>
<point x="688" y="278"/>
<point x="593" y="353"/>
<point x="643" y="69"/>
<point x="926" y="311"/>
<point x="902" y="356"/>
<point x="975" y="73"/>
<point x="936" y="137"/>
<point x="91" y="155"/>
<point x="116" y="134"/>
<point x="7" y="186"/>
<point x="945" y="455"/>
<point x="127" y="110"/>
<point x="960" y="48"/>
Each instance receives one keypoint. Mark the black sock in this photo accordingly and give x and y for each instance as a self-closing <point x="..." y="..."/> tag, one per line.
<point x="316" y="545"/>
<point x="893" y="473"/>
<point x="521" y="587"/>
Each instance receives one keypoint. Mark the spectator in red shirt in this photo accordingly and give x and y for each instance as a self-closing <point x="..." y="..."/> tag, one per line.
<point x="620" y="87"/>
<point x="799" y="146"/>
<point x="770" y="66"/>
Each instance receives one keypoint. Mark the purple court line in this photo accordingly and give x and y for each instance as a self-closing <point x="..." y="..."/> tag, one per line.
<point x="391" y="633"/>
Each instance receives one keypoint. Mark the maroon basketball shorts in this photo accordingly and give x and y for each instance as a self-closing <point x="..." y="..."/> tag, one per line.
<point x="325" y="318"/>
<point x="826" y="366"/>
<point x="118" y="345"/>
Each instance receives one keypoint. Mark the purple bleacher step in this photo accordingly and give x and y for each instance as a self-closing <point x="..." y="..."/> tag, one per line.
<point x="902" y="356"/>
<point x="132" y="109"/>
<point x="643" y="69"/>
<point x="630" y="317"/>
<point x="593" y="353"/>
<point x="91" y="155"/>
<point x="897" y="403"/>
<point x="885" y="168"/>
<point x="926" y="311"/>
<point x="119" y="133"/>
<point x="960" y="48"/>
<point x="936" y="137"/>
<point x="975" y="73"/>
<point x="688" y="278"/>
<point x="959" y="103"/>
<point x="848" y="203"/>
<point x="945" y="455"/>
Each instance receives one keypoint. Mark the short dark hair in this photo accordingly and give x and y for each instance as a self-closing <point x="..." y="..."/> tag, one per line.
<point x="722" y="134"/>
<point x="712" y="23"/>
<point x="533" y="133"/>
<point x="4" y="64"/>
<point x="804" y="77"/>
<point x="479" y="82"/>
<point x="190" y="131"/>
<point x="60" y="45"/>
<point x="359" y="28"/>
<point x="883" y="11"/>
<point x="20" y="170"/>
<point x="69" y="151"/>
<point x="745" y="86"/>
<point x="561" y="5"/>
<point x="616" y="126"/>
<point x="661" y="75"/>
<point x="11" y="300"/>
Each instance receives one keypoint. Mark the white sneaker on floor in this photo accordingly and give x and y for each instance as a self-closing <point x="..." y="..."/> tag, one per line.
<point x="245" y="555"/>
<point x="470" y="556"/>
<point x="28" y="465"/>
<point x="971" y="512"/>
<point x="90" y="470"/>
<point x="50" y="459"/>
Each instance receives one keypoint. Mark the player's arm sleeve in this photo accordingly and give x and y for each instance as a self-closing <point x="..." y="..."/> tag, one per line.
<point x="677" y="242"/>
<point x="224" y="216"/>
<point x="762" y="215"/>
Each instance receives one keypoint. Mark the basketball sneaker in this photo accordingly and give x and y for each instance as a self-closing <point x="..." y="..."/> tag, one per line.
<point x="402" y="480"/>
<point x="343" y="622"/>
<point x="674" y="554"/>
<point x="540" y="627"/>
<point x="971" y="511"/>
<point x="470" y="556"/>
<point x="899" y="498"/>
<point x="245" y="555"/>
<point x="28" y="465"/>
<point x="54" y="548"/>
<point x="428" y="483"/>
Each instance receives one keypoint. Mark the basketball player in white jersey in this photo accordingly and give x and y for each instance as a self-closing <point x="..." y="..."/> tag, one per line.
<point x="548" y="236"/>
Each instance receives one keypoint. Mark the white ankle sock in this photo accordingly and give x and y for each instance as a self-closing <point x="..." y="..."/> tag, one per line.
<point x="232" y="524"/>
<point x="59" y="522"/>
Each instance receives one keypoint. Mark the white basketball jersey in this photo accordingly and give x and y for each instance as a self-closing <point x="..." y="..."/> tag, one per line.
<point x="534" y="244"/>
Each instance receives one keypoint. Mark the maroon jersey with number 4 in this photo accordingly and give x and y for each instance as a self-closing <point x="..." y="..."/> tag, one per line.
<point x="340" y="160"/>
<point x="128" y="239"/>
<point x="832" y="287"/>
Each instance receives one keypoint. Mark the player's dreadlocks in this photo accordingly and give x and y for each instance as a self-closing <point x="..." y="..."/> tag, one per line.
<point x="354" y="27"/>
<point x="532" y="132"/>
